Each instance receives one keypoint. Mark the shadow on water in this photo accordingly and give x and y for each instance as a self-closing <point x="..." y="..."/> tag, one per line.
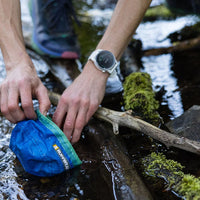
<point x="184" y="6"/>
<point x="186" y="67"/>
<point x="178" y="74"/>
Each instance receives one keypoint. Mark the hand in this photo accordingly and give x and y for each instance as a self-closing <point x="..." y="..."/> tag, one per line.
<point x="80" y="101"/>
<point x="22" y="83"/>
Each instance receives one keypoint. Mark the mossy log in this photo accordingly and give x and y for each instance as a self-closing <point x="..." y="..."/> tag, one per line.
<point x="140" y="97"/>
<point x="177" y="47"/>
<point x="157" y="166"/>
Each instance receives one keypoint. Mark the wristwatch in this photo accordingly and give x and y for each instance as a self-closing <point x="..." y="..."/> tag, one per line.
<point x="104" y="60"/>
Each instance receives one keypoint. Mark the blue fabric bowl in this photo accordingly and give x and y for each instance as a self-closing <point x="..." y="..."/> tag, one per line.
<point x="42" y="148"/>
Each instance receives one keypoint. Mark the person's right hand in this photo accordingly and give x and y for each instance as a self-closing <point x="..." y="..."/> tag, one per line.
<point x="22" y="84"/>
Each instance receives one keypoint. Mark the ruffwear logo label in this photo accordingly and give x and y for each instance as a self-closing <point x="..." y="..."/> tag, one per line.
<point x="62" y="157"/>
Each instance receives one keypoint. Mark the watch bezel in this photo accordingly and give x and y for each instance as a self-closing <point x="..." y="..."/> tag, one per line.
<point x="94" y="55"/>
<point x="105" y="55"/>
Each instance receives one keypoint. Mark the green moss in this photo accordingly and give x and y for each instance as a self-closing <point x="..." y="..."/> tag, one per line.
<point x="139" y="80"/>
<point x="189" y="187"/>
<point x="185" y="185"/>
<point x="88" y="33"/>
<point x="156" y="165"/>
<point x="88" y="37"/>
<point x="140" y="97"/>
<point x="158" y="12"/>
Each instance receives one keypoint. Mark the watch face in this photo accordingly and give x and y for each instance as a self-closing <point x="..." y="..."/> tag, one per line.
<point x="105" y="59"/>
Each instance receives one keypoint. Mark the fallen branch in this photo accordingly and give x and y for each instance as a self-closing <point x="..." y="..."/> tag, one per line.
<point x="126" y="119"/>
<point x="181" y="46"/>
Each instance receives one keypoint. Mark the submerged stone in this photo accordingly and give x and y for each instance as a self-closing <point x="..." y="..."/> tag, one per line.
<point x="187" y="125"/>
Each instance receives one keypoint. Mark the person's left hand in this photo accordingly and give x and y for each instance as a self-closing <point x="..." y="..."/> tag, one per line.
<point x="80" y="101"/>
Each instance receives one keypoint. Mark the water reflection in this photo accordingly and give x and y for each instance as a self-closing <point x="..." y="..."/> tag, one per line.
<point x="159" y="67"/>
<point x="9" y="188"/>
<point x="155" y="35"/>
<point x="186" y="69"/>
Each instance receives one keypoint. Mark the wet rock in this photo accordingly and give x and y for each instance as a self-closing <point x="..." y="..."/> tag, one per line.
<point x="188" y="124"/>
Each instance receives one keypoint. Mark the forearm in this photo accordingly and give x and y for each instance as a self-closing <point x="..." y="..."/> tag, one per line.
<point x="11" y="38"/>
<point x="81" y="99"/>
<point x="126" y="18"/>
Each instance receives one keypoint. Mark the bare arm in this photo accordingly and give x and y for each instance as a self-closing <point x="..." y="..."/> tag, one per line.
<point x="79" y="102"/>
<point x="21" y="81"/>
<point x="125" y="20"/>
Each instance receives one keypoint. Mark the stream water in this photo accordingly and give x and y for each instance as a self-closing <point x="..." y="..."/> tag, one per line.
<point x="178" y="74"/>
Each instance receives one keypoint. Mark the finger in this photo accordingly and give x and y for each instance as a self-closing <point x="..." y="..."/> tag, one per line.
<point x="26" y="101"/>
<point x="70" y="121"/>
<point x="92" y="109"/>
<point x="43" y="98"/>
<point x="79" y="124"/>
<point x="13" y="104"/>
<point x="60" y="113"/>
<point x="4" y="104"/>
